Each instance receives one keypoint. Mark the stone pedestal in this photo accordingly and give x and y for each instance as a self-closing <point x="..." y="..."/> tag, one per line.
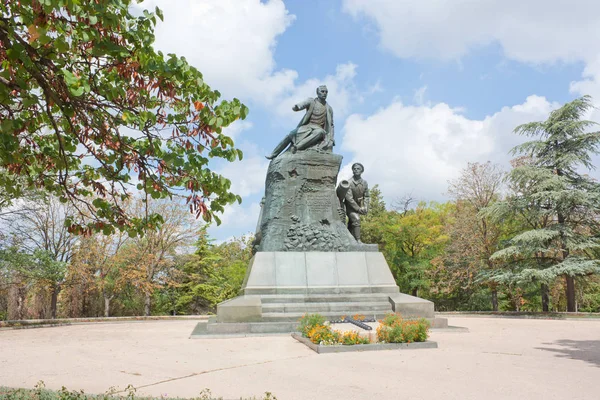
<point x="280" y="287"/>
<point x="307" y="273"/>
<point x="300" y="211"/>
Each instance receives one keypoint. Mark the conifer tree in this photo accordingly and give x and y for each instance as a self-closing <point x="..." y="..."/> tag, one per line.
<point x="557" y="200"/>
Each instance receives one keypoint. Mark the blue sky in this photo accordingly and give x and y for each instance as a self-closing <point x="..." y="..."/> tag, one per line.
<point x="419" y="88"/>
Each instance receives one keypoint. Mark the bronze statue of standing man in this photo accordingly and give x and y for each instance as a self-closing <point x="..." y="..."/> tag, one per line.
<point x="356" y="200"/>
<point x="315" y="130"/>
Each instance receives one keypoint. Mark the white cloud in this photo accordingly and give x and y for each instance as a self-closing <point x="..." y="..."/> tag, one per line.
<point x="590" y="84"/>
<point x="430" y="144"/>
<point x="238" y="219"/>
<point x="247" y="176"/>
<point x="419" y="96"/>
<point x="230" y="41"/>
<point x="528" y="31"/>
<point x="234" y="130"/>
<point x="419" y="148"/>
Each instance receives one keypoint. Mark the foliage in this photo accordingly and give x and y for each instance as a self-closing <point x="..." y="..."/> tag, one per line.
<point x="86" y="102"/>
<point x="590" y="294"/>
<point x="559" y="204"/>
<point x="352" y="338"/>
<point x="394" y="329"/>
<point x="371" y="223"/>
<point x="97" y="265"/>
<point x="412" y="240"/>
<point x="313" y="326"/>
<point x="473" y="237"/>
<point x="41" y="393"/>
<point x="214" y="273"/>
<point x="308" y="322"/>
<point x="323" y="334"/>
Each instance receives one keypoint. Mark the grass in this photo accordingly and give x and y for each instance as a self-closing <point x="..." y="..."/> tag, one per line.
<point x="41" y="393"/>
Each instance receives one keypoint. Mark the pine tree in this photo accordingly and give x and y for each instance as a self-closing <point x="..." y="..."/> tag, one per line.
<point x="559" y="203"/>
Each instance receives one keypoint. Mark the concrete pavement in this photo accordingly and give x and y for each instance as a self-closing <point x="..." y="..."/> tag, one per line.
<point x="499" y="358"/>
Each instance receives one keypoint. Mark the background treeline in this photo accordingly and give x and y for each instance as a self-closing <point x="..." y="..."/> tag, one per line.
<point x="47" y="271"/>
<point x="439" y="251"/>
<point x="527" y="239"/>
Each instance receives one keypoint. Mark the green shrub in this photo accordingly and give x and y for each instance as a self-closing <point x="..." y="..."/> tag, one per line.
<point x="321" y="334"/>
<point x="41" y="393"/>
<point x="309" y="321"/>
<point x="394" y="329"/>
<point x="352" y="338"/>
<point x="390" y="319"/>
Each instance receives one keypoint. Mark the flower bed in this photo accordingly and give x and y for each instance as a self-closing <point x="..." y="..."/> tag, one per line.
<point x="392" y="329"/>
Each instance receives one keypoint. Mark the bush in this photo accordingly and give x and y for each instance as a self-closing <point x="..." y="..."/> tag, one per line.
<point x="394" y="329"/>
<point x="309" y="321"/>
<point x="351" y="338"/>
<point x="321" y="334"/>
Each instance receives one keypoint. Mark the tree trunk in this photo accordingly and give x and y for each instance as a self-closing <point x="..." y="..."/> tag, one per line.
<point x="16" y="302"/>
<point x="54" y="301"/>
<point x="107" y="300"/>
<point x="415" y="292"/>
<point x="565" y="253"/>
<point x="571" y="307"/>
<point x="494" y="299"/>
<point x="545" y="298"/>
<point x="147" y="305"/>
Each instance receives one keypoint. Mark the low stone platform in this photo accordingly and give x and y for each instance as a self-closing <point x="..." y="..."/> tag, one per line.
<point x="211" y="329"/>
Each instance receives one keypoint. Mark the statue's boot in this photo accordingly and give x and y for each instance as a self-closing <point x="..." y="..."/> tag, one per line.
<point x="280" y="147"/>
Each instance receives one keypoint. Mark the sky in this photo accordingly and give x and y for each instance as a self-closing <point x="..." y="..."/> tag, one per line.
<point x="419" y="88"/>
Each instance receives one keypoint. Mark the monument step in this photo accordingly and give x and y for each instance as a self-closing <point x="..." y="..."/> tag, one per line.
<point x="248" y="328"/>
<point x="313" y="307"/>
<point x="325" y="298"/>
<point x="281" y="317"/>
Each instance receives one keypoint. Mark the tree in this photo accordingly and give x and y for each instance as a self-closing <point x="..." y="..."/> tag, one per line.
<point x="412" y="241"/>
<point x="149" y="260"/>
<point x="86" y="103"/>
<point x="213" y="274"/>
<point x="474" y="237"/>
<point x="372" y="222"/>
<point x="96" y="262"/>
<point x="561" y="203"/>
<point x="41" y="234"/>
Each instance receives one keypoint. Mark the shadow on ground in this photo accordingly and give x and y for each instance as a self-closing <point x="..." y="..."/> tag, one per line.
<point x="584" y="350"/>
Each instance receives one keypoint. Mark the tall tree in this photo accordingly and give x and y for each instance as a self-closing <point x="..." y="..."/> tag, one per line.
<point x="372" y="222"/>
<point x="86" y="104"/>
<point x="474" y="237"/>
<point x="562" y="202"/>
<point x="41" y="233"/>
<point x="97" y="262"/>
<point x="213" y="274"/>
<point x="412" y="240"/>
<point x="149" y="260"/>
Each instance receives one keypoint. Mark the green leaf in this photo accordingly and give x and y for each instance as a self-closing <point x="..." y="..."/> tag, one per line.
<point x="77" y="91"/>
<point x="159" y="13"/>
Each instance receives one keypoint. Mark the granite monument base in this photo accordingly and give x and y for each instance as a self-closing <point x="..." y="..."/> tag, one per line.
<point x="280" y="287"/>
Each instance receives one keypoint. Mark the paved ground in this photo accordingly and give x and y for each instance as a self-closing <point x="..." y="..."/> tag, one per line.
<point x="500" y="358"/>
